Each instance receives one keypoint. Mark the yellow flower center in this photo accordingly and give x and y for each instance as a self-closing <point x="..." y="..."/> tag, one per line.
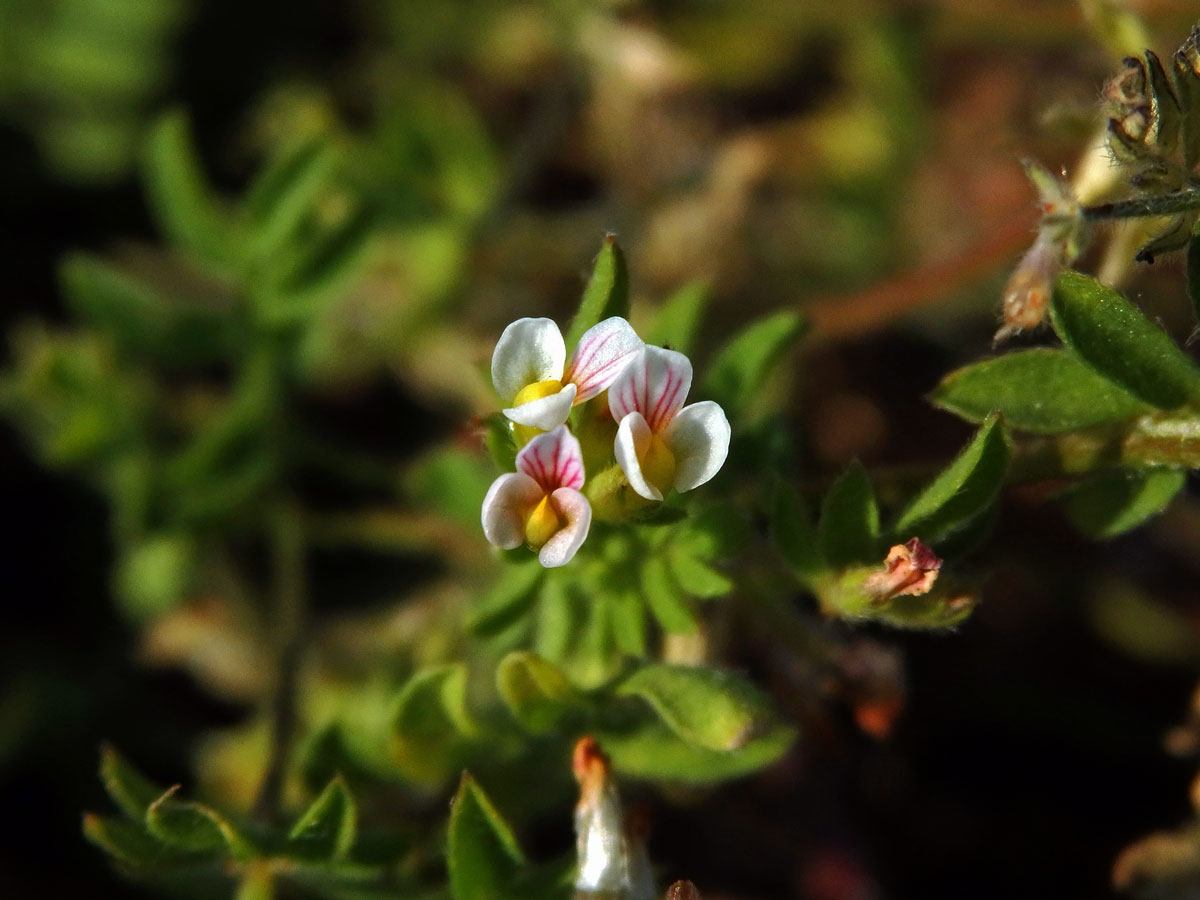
<point x="535" y="391"/>
<point x="658" y="465"/>
<point x="543" y="523"/>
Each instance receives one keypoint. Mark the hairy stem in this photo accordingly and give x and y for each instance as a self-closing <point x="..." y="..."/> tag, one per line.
<point x="1185" y="200"/>
<point x="1151" y="441"/>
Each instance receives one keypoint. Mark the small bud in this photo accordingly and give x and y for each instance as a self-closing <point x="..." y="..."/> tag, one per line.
<point x="909" y="569"/>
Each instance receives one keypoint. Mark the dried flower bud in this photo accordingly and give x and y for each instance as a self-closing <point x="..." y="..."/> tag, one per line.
<point x="909" y="569"/>
<point x="1059" y="240"/>
<point x="612" y="863"/>
<point x="683" y="890"/>
<point x="1027" y="294"/>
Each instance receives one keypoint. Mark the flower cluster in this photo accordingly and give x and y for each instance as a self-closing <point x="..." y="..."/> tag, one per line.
<point x="658" y="443"/>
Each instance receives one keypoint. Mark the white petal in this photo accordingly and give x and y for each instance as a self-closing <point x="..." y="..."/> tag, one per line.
<point x="602" y="353"/>
<point x="633" y="439"/>
<point x="529" y="351"/>
<point x="573" y="508"/>
<point x="545" y="412"/>
<point x="554" y="460"/>
<point x="505" y="508"/>
<point x="698" y="437"/>
<point x="655" y="383"/>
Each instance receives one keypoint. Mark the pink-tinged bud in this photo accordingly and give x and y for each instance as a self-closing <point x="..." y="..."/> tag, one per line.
<point x="909" y="569"/>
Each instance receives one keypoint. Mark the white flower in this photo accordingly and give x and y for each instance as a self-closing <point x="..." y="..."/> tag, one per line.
<point x="531" y="371"/>
<point x="662" y="444"/>
<point x="540" y="504"/>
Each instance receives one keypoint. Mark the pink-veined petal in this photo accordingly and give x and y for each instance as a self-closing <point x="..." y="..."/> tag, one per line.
<point x="603" y="351"/>
<point x="507" y="506"/>
<point x="655" y="383"/>
<point x="545" y="412"/>
<point x="698" y="438"/>
<point x="529" y="351"/>
<point x="554" y="460"/>
<point x="633" y="440"/>
<point x="573" y="508"/>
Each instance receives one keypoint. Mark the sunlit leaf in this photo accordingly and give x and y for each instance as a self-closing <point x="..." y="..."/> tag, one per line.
<point x="606" y="294"/>
<point x="536" y="692"/>
<point x="327" y="829"/>
<point x="430" y="721"/>
<point x="665" y="599"/>
<point x="706" y="707"/>
<point x="481" y="852"/>
<point x="655" y="751"/>
<point x="695" y="576"/>
<point x="962" y="490"/>
<point x="1041" y="390"/>
<point x="1112" y="504"/>
<point x="194" y="827"/>
<point x="184" y="205"/>
<point x="743" y="364"/>
<point x="678" y="318"/>
<point x="510" y="598"/>
<point x="285" y="193"/>
<point x="628" y="620"/>
<point x="1118" y="341"/>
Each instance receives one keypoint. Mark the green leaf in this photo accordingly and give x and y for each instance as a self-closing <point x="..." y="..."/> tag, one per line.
<point x="743" y="364"/>
<point x="849" y="528"/>
<point x="663" y="597"/>
<point x="678" y="318"/>
<point x="128" y="788"/>
<point x="606" y="294"/>
<point x="1040" y="390"/>
<point x="537" y="692"/>
<point x="705" y="707"/>
<point x="326" y="266"/>
<point x="430" y="722"/>
<point x="654" y="751"/>
<point x="1114" y="338"/>
<point x="483" y="857"/>
<point x="510" y="598"/>
<point x="1115" y="503"/>
<point x="130" y="844"/>
<point x="694" y="575"/>
<point x="793" y="531"/>
<point x="286" y="192"/>
<point x="155" y="574"/>
<point x="194" y="827"/>
<point x="628" y="620"/>
<point x="962" y="490"/>
<point x="328" y="827"/>
<point x="183" y="204"/>
<point x="171" y="331"/>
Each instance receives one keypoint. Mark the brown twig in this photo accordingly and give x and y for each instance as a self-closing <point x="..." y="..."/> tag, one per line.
<point x="855" y="314"/>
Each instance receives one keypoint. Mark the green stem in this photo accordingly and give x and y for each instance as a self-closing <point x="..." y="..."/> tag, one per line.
<point x="1151" y="441"/>
<point x="289" y="614"/>
<point x="1185" y="200"/>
